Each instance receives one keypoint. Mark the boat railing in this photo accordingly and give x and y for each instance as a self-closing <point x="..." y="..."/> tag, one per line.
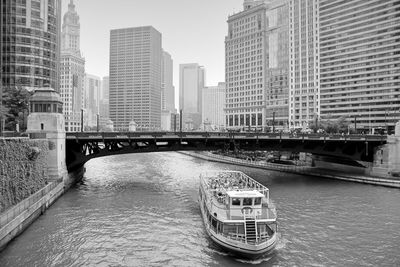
<point x="268" y="212"/>
<point x="246" y="182"/>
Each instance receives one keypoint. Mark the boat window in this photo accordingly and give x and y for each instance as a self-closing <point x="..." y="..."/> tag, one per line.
<point x="257" y="201"/>
<point x="235" y="201"/>
<point x="247" y="201"/>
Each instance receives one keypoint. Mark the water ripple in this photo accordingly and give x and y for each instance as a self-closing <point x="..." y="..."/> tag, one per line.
<point x="142" y="210"/>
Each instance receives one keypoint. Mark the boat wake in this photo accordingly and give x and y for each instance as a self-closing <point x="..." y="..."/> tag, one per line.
<point x="255" y="262"/>
<point x="282" y="242"/>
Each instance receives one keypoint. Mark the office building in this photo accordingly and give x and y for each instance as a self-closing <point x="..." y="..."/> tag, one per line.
<point x="191" y="83"/>
<point x="92" y="104"/>
<point x="304" y="63"/>
<point x="104" y="105"/>
<point x="72" y="70"/>
<point x="256" y="66"/>
<point x="168" y="89"/>
<point x="277" y="65"/>
<point x="135" y="78"/>
<point x="213" y="107"/>
<point x="30" y="43"/>
<point x="360" y="62"/>
<point x="167" y="92"/>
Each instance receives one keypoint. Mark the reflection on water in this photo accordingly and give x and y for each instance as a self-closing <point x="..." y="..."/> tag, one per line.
<point x="142" y="210"/>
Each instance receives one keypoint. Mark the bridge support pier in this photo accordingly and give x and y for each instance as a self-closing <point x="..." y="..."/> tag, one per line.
<point x="46" y="121"/>
<point x="387" y="157"/>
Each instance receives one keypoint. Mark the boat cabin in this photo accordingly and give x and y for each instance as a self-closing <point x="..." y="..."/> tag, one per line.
<point x="244" y="203"/>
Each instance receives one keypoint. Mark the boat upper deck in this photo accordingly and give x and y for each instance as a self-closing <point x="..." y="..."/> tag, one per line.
<point x="232" y="195"/>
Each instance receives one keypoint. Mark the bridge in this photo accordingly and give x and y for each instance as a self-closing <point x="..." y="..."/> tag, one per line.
<point x="83" y="146"/>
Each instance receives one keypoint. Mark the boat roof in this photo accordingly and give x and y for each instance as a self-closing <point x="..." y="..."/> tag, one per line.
<point x="242" y="194"/>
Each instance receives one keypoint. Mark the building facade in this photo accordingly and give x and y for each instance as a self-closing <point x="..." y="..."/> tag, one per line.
<point x="167" y="85"/>
<point x="167" y="92"/>
<point x="304" y="63"/>
<point x="213" y="113"/>
<point x="92" y="100"/>
<point x="191" y="84"/>
<point x="104" y="105"/>
<point x="72" y="71"/>
<point x="277" y="65"/>
<point x="30" y="43"/>
<point x="256" y="66"/>
<point x="135" y="78"/>
<point x="360" y="62"/>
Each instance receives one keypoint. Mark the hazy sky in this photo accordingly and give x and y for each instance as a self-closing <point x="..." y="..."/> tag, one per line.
<point x="193" y="31"/>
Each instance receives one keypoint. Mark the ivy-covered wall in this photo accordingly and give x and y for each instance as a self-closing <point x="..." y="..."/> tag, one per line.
<point x="23" y="169"/>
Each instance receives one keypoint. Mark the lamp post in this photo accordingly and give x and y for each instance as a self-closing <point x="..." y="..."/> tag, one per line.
<point x="355" y="123"/>
<point x="81" y="119"/>
<point x="273" y="121"/>
<point x="97" y="122"/>
<point x="180" y="120"/>
<point x="386" y="125"/>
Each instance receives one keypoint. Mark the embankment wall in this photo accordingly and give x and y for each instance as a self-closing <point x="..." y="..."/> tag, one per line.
<point x="23" y="169"/>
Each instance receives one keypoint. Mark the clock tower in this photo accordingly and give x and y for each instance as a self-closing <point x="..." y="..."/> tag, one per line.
<point x="72" y="71"/>
<point x="71" y="29"/>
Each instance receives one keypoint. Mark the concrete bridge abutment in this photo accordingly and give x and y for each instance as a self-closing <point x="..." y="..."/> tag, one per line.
<point x="387" y="157"/>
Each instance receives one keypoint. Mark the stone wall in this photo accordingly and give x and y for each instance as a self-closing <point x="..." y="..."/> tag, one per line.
<point x="23" y="169"/>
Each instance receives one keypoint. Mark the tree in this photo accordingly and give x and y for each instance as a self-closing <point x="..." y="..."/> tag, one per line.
<point x="339" y="125"/>
<point x="15" y="107"/>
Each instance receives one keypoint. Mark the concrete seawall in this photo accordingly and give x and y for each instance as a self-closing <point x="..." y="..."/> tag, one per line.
<point x="16" y="219"/>
<point x="26" y="189"/>
<point x="305" y="170"/>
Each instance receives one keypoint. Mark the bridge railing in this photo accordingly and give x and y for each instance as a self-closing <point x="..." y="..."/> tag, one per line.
<point x="231" y="135"/>
<point x="10" y="214"/>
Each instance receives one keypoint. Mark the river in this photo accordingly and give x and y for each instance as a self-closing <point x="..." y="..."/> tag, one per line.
<point x="142" y="210"/>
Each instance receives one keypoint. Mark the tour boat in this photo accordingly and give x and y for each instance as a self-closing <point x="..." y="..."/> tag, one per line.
<point x="237" y="213"/>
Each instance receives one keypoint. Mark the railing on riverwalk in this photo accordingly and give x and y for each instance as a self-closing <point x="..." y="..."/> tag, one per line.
<point x="263" y="164"/>
<point x="11" y="213"/>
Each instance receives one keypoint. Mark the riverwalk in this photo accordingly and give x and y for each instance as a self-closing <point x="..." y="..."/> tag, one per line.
<point x="297" y="169"/>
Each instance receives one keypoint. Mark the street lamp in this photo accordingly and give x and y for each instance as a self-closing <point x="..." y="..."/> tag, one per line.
<point x="355" y="123"/>
<point x="81" y="119"/>
<point x="273" y="121"/>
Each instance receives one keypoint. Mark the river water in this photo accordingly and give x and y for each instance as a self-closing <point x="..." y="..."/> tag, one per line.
<point x="142" y="210"/>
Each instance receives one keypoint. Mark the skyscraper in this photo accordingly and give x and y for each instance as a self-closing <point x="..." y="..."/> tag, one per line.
<point x="168" y="89"/>
<point x="191" y="83"/>
<point x="213" y="106"/>
<point x="135" y="78"/>
<point x="30" y="43"/>
<point x="256" y="66"/>
<point x="359" y="62"/>
<point x="277" y="64"/>
<point x="304" y="63"/>
<point x="72" y="70"/>
<point x="104" y="108"/>
<point x="92" y="103"/>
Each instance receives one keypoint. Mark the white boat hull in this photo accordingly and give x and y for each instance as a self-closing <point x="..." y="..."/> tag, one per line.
<point x="237" y="247"/>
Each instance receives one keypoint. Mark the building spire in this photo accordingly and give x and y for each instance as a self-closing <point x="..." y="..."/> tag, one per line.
<point x="71" y="6"/>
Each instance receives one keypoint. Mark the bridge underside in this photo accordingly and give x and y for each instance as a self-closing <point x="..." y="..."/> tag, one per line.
<point x="79" y="151"/>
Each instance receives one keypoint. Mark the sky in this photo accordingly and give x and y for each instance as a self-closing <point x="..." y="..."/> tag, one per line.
<point x="193" y="31"/>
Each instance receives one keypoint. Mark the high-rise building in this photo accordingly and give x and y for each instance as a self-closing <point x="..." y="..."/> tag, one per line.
<point x="30" y="43"/>
<point x="256" y="66"/>
<point x="191" y="83"/>
<point x="104" y="106"/>
<point x="304" y="63"/>
<point x="360" y="62"/>
<point x="168" y="89"/>
<point x="167" y="92"/>
<point x="135" y="78"/>
<point x="213" y="106"/>
<point x="72" y="70"/>
<point x="92" y="103"/>
<point x="277" y="64"/>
